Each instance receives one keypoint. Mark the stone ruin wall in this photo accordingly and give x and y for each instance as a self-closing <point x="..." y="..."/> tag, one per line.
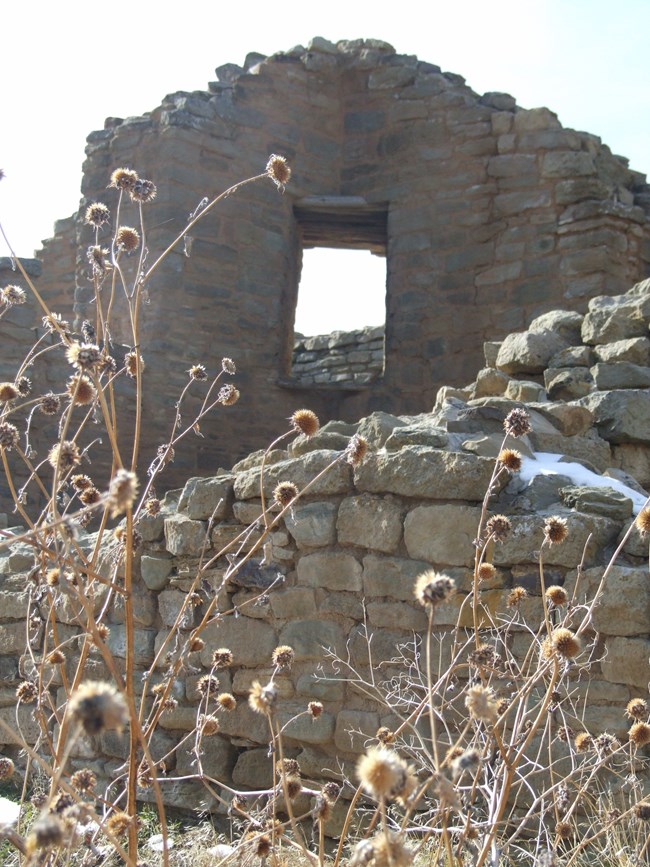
<point x="488" y="214"/>
<point x="350" y="551"/>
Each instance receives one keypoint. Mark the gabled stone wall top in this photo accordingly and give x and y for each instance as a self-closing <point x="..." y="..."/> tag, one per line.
<point x="493" y="214"/>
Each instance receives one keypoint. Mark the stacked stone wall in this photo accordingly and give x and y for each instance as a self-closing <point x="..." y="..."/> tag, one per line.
<point x="335" y="581"/>
<point x="495" y="214"/>
<point x="343" y="358"/>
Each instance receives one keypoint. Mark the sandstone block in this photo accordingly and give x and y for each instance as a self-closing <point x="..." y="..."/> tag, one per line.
<point x="598" y="501"/>
<point x="627" y="661"/>
<point x="636" y="350"/>
<point x="378" y="427"/>
<point x="568" y="383"/>
<point x="250" y="641"/>
<point x="293" y="603"/>
<point x="386" y="614"/>
<point x="29" y="728"/>
<point x="312" y="524"/>
<point x="300" y="471"/>
<point x="207" y="498"/>
<point x="591" y="450"/>
<point x="624" y="607"/>
<point x="529" y="351"/>
<point x="254" y="770"/>
<point x="244" y="679"/>
<point x="570" y="419"/>
<point x="170" y="603"/>
<point x="620" y="374"/>
<point x="422" y="432"/>
<point x="611" y="319"/>
<point x="490" y="382"/>
<point x="442" y="535"/>
<point x="391" y="576"/>
<point x="420" y="471"/>
<point x="305" y="729"/>
<point x="566" y="323"/>
<point x="573" y="356"/>
<point x="155" y="571"/>
<point x="355" y="729"/>
<point x="370" y="522"/>
<point x="245" y="724"/>
<point x="218" y="757"/>
<point x="312" y="639"/>
<point x="320" y="688"/>
<point x="334" y="570"/>
<point x="144" y="641"/>
<point x="633" y="459"/>
<point x="526" y="392"/>
<point x="564" y="164"/>
<point x="621" y="416"/>
<point x="183" y="536"/>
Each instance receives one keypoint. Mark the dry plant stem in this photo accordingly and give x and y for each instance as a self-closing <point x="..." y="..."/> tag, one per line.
<point x="262" y="467"/>
<point x="196" y="219"/>
<point x="346" y="826"/>
<point x="110" y="428"/>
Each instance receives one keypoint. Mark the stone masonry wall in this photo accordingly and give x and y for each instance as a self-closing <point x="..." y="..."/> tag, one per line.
<point x="493" y="215"/>
<point x="342" y="358"/>
<point x="342" y="563"/>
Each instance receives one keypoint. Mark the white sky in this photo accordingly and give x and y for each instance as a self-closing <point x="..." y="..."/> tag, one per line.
<point x="66" y="66"/>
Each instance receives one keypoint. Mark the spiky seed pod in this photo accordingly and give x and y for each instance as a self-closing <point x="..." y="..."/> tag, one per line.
<point x="228" y="395"/>
<point x="24" y="386"/>
<point x="11" y="295"/>
<point x="47" y="832"/>
<point x="382" y="851"/>
<point x="90" y="496"/>
<point x="8" y="391"/>
<point x="195" y="644"/>
<point x="564" y="830"/>
<point x="606" y="743"/>
<point x="639" y="734"/>
<point x="583" y="742"/>
<point x="452" y="754"/>
<point x="27" y="692"/>
<point x="385" y="736"/>
<point x="81" y="390"/>
<point x="566" y="643"/>
<point x="152" y="507"/>
<point x="208" y="724"/>
<point x="97" y="214"/>
<point x="123" y="179"/>
<point x="97" y="257"/>
<point x="637" y="708"/>
<point x="315" y="709"/>
<point x="481" y="704"/>
<point x="98" y="706"/>
<point x="321" y="809"/>
<point x="118" y="824"/>
<point x="381" y="771"/>
<point x="228" y="366"/>
<point x="510" y="459"/>
<point x="305" y="421"/>
<point x="6" y="768"/>
<point x="103" y="631"/>
<point x="49" y="404"/>
<point x="432" y="588"/>
<point x="9" y="436"/>
<point x="64" y="456"/>
<point x="356" y="450"/>
<point x="131" y="362"/>
<point x="56" y="657"/>
<point x="293" y="786"/>
<point x="498" y="527"/>
<point x="83" y="780"/>
<point x="566" y="734"/>
<point x="517" y="423"/>
<point x="127" y="238"/>
<point x="278" y="170"/>
<point x="516" y="596"/>
<point x="222" y="658"/>
<point x="208" y="686"/>
<point x="263" y="846"/>
<point x="81" y="482"/>
<point x="198" y="372"/>
<point x="484" y="654"/>
<point x="331" y="791"/>
<point x="557" y="595"/>
<point x="84" y="356"/>
<point x="283" y="656"/>
<point x="642" y="521"/>
<point x="122" y="492"/>
<point x="642" y="811"/>
<point x="143" y="191"/>
<point x="227" y="701"/>
<point x="285" y="493"/>
<point x="555" y="530"/>
<point x="486" y="572"/>
<point x="262" y="699"/>
<point x="289" y="767"/>
<point x="52" y="577"/>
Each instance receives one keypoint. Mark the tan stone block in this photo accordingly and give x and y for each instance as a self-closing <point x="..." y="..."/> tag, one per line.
<point x="244" y="679"/>
<point x="370" y="522"/>
<point x="627" y="660"/>
<point x="334" y="570"/>
<point x="442" y="535"/>
<point x="313" y="639"/>
<point x="250" y="641"/>
<point x="355" y="730"/>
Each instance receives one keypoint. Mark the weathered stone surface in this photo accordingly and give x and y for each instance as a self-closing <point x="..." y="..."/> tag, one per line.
<point x="218" y="757"/>
<point x="624" y="607"/>
<point x="568" y="383"/>
<point x="442" y="535"/>
<point x="143" y="643"/>
<point x="306" y="729"/>
<point x="29" y="728"/>
<point x="524" y="391"/>
<point x="589" y="450"/>
<point x="313" y="686"/>
<point x="607" y="502"/>
<point x="170" y="603"/>
<point x="253" y="770"/>
<point x="633" y="459"/>
<point x="525" y="540"/>
<point x="312" y="524"/>
<point x="422" y="432"/>
<point x="529" y="352"/>
<point x="611" y="319"/>
<point x="627" y="661"/>
<point x="573" y="356"/>
<point x="301" y="471"/>
<point x="391" y="576"/>
<point x="250" y="641"/>
<point x="244" y="678"/>
<point x="636" y="350"/>
<point x="566" y="323"/>
<point x="312" y="639"/>
<point x="183" y="536"/>
<point x="293" y="603"/>
<point x="355" y="729"/>
<point x="419" y="471"/>
<point x="155" y="571"/>
<point x="570" y="419"/>
<point x="620" y="374"/>
<point x="620" y="416"/>
<point x="207" y="498"/>
<point x="378" y="427"/>
<point x="323" y="439"/>
<point x="490" y="382"/>
<point x="370" y="522"/>
<point x="334" y="570"/>
<point x="387" y="614"/>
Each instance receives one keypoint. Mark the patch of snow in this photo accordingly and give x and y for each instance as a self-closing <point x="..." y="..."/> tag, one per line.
<point x="547" y="464"/>
<point x="156" y="843"/>
<point x="9" y="812"/>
